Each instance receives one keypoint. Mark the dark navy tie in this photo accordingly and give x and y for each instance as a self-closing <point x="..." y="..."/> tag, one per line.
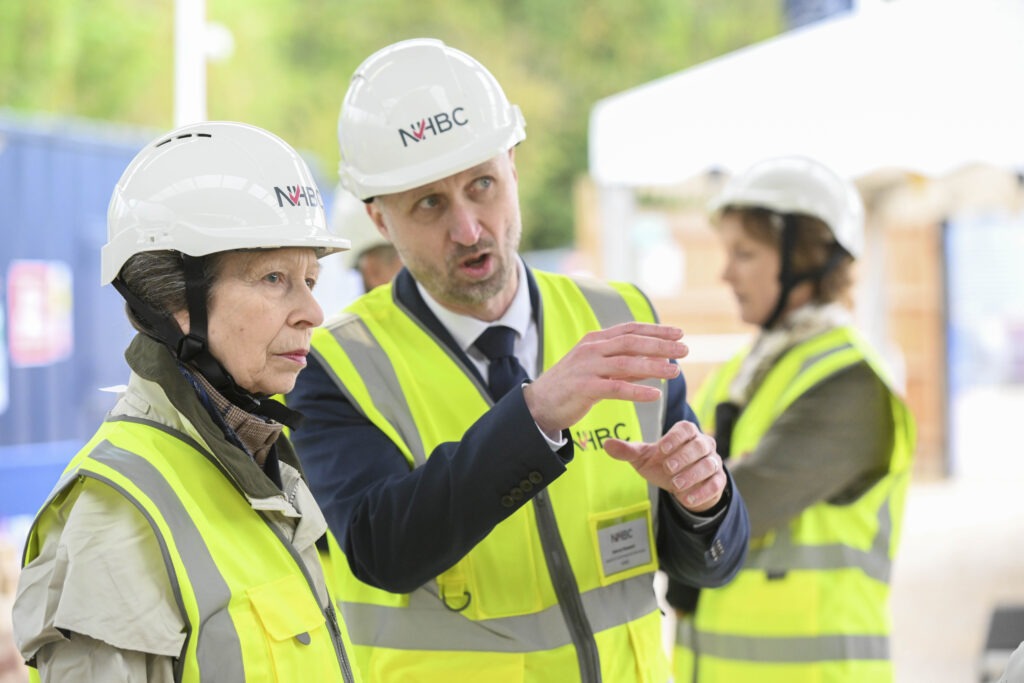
<point x="503" y="370"/>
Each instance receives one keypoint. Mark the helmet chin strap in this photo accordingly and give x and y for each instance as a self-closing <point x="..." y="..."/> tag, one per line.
<point x="787" y="278"/>
<point x="194" y="348"/>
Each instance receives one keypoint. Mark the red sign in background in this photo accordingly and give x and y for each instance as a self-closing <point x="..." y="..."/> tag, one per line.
<point x="39" y="322"/>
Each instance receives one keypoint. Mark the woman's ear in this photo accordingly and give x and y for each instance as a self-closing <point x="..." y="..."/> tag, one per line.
<point x="182" y="318"/>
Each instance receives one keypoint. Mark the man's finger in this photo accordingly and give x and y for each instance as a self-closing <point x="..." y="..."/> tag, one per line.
<point x="641" y="329"/>
<point x="626" y="451"/>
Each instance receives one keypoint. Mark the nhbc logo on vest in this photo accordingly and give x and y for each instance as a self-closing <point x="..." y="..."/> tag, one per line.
<point x="298" y="195"/>
<point x="436" y="125"/>
<point x="593" y="439"/>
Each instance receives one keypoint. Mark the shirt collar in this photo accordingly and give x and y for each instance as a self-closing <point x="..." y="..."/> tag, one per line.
<point x="465" y="329"/>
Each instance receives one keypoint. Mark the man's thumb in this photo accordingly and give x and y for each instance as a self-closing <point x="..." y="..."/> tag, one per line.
<point x="626" y="451"/>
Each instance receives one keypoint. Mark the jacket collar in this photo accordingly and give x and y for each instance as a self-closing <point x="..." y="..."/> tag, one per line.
<point x="151" y="360"/>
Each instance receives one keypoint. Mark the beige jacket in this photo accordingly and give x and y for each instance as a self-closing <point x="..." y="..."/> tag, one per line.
<point x="100" y="577"/>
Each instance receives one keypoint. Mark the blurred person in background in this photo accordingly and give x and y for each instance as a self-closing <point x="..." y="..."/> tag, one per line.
<point x="459" y="436"/>
<point x="374" y="258"/>
<point x="816" y="437"/>
<point x="371" y="261"/>
<point x="182" y="542"/>
<point x="378" y="264"/>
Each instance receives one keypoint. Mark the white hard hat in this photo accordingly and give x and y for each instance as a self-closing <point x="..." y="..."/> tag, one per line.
<point x="796" y="184"/>
<point x="215" y="186"/>
<point x="418" y="111"/>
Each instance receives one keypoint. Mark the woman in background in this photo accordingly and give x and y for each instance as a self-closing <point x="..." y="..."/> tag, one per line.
<point x="818" y="441"/>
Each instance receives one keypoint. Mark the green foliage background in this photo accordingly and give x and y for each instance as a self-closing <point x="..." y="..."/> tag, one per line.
<point x="113" y="60"/>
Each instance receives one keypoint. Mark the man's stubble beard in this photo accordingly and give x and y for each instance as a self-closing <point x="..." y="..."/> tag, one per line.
<point x="446" y="288"/>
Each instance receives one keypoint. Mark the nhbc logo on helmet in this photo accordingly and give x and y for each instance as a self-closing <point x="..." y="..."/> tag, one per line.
<point x="436" y="124"/>
<point x="298" y="194"/>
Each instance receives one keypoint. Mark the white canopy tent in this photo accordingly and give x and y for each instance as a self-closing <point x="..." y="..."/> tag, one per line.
<point x="920" y="85"/>
<point x="923" y="85"/>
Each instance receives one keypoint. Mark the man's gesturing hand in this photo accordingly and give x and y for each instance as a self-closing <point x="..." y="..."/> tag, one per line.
<point x="606" y="364"/>
<point x="683" y="462"/>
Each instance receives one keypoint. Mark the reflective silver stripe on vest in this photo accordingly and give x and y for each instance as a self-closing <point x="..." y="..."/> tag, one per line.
<point x="784" y="555"/>
<point x="219" y="650"/>
<point x="811" y="360"/>
<point x="427" y="625"/>
<point x="611" y="309"/>
<point x="385" y="391"/>
<point x="774" y="649"/>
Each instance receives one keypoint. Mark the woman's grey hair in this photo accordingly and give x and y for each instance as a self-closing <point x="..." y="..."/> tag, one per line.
<point x="158" y="278"/>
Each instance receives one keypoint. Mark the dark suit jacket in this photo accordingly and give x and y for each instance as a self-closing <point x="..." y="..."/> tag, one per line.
<point x="401" y="527"/>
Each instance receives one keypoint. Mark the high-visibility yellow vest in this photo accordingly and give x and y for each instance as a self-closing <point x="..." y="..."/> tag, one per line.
<point x="811" y="603"/>
<point x="250" y="609"/>
<point x="497" y="615"/>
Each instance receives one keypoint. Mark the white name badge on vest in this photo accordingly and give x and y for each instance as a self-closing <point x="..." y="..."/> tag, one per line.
<point x="624" y="540"/>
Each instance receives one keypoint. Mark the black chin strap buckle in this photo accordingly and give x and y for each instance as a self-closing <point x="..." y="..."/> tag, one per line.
<point x="189" y="347"/>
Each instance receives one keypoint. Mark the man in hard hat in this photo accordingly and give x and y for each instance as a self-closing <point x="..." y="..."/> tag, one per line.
<point x="506" y="455"/>
<point x="377" y="264"/>
<point x="819" y="440"/>
<point x="372" y="257"/>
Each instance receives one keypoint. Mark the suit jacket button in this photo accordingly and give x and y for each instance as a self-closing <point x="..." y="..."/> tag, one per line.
<point x="536" y="477"/>
<point x="516" y="493"/>
<point x="526" y="485"/>
<point x="507" y="501"/>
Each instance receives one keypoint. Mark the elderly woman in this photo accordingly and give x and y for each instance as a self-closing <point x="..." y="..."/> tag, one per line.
<point x="819" y="445"/>
<point x="182" y="543"/>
